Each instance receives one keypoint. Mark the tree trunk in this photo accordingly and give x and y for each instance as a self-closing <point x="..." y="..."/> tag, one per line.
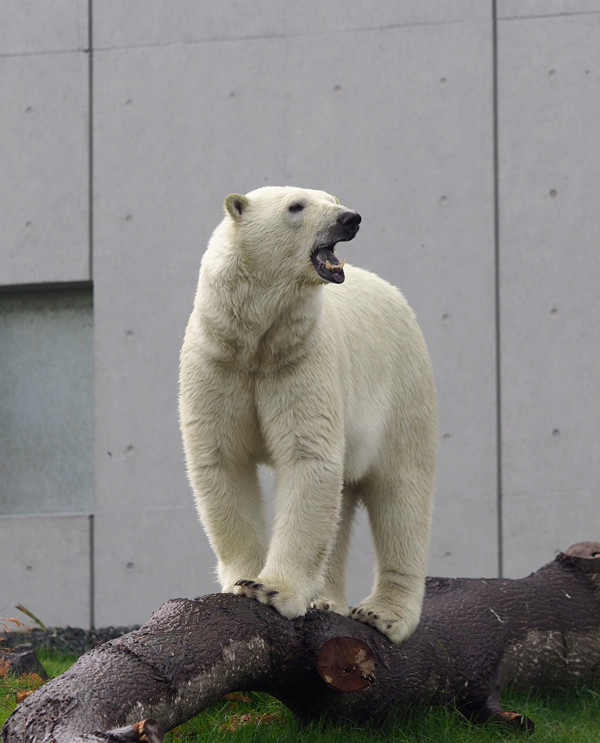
<point x="475" y="636"/>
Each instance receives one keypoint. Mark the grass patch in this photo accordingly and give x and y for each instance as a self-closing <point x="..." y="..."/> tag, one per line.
<point x="55" y="663"/>
<point x="561" y="716"/>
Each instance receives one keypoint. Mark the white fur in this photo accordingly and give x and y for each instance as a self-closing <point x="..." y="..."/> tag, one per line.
<point x="330" y="385"/>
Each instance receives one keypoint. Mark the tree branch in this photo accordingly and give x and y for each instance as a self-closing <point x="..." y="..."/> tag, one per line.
<point x="475" y="636"/>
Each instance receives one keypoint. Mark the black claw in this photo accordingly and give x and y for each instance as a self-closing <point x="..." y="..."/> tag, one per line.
<point x="243" y="583"/>
<point x="326" y="607"/>
<point x="272" y="593"/>
<point x="375" y="616"/>
<point x="389" y="626"/>
<point x="369" y="613"/>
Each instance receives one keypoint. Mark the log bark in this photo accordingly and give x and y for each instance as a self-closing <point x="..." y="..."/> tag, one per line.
<point x="475" y="636"/>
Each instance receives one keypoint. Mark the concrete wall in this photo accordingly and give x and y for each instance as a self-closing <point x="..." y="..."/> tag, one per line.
<point x="549" y="161"/>
<point x="465" y="134"/>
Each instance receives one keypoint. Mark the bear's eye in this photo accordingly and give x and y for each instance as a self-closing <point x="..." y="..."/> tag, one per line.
<point x="297" y="206"/>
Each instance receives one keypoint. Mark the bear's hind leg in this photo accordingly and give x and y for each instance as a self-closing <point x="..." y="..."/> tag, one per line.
<point x="399" y="514"/>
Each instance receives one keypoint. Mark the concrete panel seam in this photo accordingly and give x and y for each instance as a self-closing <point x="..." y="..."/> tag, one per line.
<point x="288" y="35"/>
<point x="496" y="165"/>
<point x="541" y="16"/>
<point x="43" y="53"/>
<point x="54" y="516"/>
<point x="90" y="144"/>
<point x="52" y="286"/>
<point x="92" y="572"/>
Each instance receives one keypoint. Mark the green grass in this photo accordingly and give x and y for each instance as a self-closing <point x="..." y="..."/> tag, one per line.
<point x="55" y="663"/>
<point x="561" y="716"/>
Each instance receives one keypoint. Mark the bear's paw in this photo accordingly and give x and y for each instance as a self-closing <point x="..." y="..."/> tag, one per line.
<point x="286" y="602"/>
<point x="337" y="606"/>
<point x="396" y="623"/>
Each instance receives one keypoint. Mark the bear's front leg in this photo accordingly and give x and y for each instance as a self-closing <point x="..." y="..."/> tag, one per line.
<point x="302" y="428"/>
<point x="307" y="505"/>
<point x="229" y="504"/>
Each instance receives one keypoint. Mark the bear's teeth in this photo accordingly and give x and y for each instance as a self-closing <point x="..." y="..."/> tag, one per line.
<point x="335" y="266"/>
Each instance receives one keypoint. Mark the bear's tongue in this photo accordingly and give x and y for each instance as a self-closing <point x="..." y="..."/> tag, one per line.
<point x="328" y="266"/>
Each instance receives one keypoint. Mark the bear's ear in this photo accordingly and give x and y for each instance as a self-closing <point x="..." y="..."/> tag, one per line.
<point x="235" y="204"/>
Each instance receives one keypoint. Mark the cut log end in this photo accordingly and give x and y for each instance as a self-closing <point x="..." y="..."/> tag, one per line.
<point x="585" y="555"/>
<point x="587" y="550"/>
<point x="346" y="664"/>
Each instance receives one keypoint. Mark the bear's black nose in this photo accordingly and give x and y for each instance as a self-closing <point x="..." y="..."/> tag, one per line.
<point x="349" y="219"/>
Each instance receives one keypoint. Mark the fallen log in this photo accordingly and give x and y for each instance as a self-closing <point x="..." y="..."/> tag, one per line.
<point x="21" y="660"/>
<point x="475" y="637"/>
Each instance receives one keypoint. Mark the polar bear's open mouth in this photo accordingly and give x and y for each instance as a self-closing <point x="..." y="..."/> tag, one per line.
<point x="327" y="264"/>
<point x="323" y="257"/>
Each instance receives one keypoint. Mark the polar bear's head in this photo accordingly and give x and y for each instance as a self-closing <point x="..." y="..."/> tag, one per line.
<point x="292" y="231"/>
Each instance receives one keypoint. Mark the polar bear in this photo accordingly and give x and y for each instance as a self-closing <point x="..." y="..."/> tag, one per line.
<point x="318" y="369"/>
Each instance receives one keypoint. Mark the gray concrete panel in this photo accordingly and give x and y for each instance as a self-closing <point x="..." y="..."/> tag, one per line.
<point x="549" y="164"/>
<point x="398" y="151"/>
<point x="177" y="128"/>
<point x="163" y="170"/>
<point x="507" y="9"/>
<point x="46" y="567"/>
<point x="44" y="174"/>
<point x="146" y="556"/>
<point x="40" y="26"/>
<point x="150" y="22"/>
<point x="541" y="527"/>
<point x="46" y="402"/>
